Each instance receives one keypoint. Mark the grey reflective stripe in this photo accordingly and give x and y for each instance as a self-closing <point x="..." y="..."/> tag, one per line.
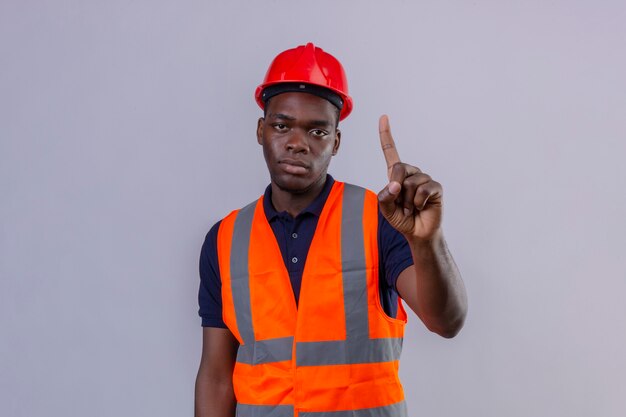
<point x="353" y="266"/>
<point x="239" y="276"/>
<point x="393" y="410"/>
<point x="248" y="410"/>
<point x="340" y="352"/>
<point x="266" y="351"/>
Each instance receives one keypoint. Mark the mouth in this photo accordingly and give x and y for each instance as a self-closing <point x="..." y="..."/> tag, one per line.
<point x="293" y="166"/>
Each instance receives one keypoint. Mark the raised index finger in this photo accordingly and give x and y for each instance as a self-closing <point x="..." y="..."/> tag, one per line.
<point x="387" y="144"/>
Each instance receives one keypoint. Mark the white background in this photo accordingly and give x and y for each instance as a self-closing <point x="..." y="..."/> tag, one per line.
<point x="127" y="130"/>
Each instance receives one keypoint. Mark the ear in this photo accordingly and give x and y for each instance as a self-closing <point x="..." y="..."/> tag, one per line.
<point x="337" y="141"/>
<point x="259" y="130"/>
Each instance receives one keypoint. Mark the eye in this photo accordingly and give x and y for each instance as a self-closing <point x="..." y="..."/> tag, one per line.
<point x="319" y="133"/>
<point x="280" y="127"/>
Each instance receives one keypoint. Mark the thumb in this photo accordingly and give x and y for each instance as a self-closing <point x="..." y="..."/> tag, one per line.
<point x="387" y="198"/>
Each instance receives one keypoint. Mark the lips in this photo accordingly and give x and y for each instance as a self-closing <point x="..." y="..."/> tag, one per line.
<point x="293" y="166"/>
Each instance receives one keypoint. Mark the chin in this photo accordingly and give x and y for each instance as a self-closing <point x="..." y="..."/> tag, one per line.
<point x="293" y="184"/>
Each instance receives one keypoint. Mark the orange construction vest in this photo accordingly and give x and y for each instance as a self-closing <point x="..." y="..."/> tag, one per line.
<point x="334" y="355"/>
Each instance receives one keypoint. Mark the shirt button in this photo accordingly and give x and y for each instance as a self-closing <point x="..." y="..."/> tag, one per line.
<point x="294" y="235"/>
<point x="294" y="259"/>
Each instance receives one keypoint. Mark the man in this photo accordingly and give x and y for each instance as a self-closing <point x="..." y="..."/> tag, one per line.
<point x="300" y="291"/>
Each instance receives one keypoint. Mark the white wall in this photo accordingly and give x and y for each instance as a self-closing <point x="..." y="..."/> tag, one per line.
<point x="127" y="130"/>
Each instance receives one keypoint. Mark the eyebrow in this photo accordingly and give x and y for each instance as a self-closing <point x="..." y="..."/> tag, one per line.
<point x="281" y="116"/>
<point x="318" y="123"/>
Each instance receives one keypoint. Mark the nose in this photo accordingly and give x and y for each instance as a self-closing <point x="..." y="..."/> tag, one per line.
<point x="297" y="142"/>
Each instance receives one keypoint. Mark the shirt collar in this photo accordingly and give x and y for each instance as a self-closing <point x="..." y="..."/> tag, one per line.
<point x="314" y="208"/>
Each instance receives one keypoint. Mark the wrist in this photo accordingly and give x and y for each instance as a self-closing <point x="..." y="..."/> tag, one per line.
<point x="432" y="240"/>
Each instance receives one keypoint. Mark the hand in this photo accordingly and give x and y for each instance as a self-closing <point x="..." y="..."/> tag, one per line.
<point x="412" y="202"/>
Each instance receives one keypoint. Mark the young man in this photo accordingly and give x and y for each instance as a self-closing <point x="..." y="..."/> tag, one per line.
<point x="300" y="291"/>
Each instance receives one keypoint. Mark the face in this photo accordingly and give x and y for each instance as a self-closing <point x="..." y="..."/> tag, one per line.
<point x="299" y="137"/>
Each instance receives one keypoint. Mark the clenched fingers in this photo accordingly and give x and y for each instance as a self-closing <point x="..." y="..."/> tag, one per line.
<point x="413" y="188"/>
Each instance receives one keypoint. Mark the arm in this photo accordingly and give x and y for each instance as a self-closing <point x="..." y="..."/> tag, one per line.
<point x="433" y="287"/>
<point x="214" y="384"/>
<point x="412" y="203"/>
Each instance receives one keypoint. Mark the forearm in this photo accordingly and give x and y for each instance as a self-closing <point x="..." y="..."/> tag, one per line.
<point x="214" y="396"/>
<point x="440" y="296"/>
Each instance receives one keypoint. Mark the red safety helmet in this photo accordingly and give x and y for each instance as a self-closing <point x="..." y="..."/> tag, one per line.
<point x="310" y="65"/>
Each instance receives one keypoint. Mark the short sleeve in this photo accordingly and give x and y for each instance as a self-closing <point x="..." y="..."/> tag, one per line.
<point x="394" y="252"/>
<point x="210" y="291"/>
<point x="394" y="257"/>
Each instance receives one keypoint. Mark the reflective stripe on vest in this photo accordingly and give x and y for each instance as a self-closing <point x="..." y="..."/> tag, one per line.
<point x="247" y="410"/>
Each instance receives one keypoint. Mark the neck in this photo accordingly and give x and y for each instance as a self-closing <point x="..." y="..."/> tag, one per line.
<point x="292" y="202"/>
